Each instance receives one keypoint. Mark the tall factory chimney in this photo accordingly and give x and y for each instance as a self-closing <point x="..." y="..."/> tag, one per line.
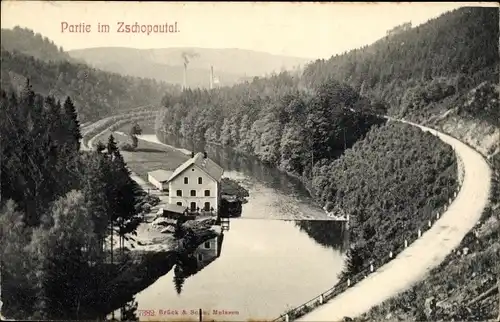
<point x="186" y="56"/>
<point x="211" y="77"/>
<point x="184" y="83"/>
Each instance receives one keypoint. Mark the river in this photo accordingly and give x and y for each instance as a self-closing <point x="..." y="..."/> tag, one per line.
<point x="261" y="267"/>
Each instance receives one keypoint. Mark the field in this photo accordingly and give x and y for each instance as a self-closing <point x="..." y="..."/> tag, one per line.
<point x="148" y="156"/>
<point x="147" y="127"/>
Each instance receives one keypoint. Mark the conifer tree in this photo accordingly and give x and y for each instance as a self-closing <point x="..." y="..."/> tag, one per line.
<point x="111" y="146"/>
<point x="72" y="125"/>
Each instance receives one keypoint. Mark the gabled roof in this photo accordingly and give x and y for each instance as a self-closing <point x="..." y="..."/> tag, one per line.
<point x="161" y="175"/>
<point x="208" y="166"/>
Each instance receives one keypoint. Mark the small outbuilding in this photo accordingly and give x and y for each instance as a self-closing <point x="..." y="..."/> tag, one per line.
<point x="171" y="209"/>
<point x="159" y="178"/>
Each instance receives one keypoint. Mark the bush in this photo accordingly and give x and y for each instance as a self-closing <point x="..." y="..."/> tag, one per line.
<point x="233" y="188"/>
<point x="126" y="147"/>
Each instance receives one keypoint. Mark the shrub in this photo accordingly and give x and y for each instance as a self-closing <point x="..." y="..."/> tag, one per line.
<point x="126" y="147"/>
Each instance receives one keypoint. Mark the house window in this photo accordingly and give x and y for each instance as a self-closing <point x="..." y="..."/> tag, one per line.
<point x="179" y="193"/>
<point x="186" y="180"/>
<point x="207" y="206"/>
<point x="193" y="193"/>
<point x="179" y="203"/>
<point x="200" y="180"/>
<point x="207" y="193"/>
<point x="193" y="206"/>
<point x="207" y="244"/>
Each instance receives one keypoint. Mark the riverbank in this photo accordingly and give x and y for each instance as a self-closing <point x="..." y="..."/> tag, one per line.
<point x="112" y="284"/>
<point x="143" y="267"/>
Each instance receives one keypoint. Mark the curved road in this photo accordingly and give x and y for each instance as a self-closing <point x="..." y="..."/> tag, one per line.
<point x="429" y="251"/>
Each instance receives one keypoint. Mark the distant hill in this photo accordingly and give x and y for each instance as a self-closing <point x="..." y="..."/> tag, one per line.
<point x="230" y="65"/>
<point x="27" y="42"/>
<point x="96" y="94"/>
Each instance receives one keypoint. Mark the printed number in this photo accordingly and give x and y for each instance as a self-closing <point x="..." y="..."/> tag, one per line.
<point x="146" y="312"/>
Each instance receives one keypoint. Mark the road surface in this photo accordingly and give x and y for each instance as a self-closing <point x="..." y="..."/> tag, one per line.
<point x="424" y="254"/>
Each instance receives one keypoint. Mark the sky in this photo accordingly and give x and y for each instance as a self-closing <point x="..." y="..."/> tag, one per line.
<point x="309" y="30"/>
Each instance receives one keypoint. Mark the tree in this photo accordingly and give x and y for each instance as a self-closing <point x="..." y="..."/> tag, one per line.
<point x="111" y="146"/>
<point x="94" y="184"/>
<point x="134" y="131"/>
<point x="61" y="251"/>
<point x="70" y="118"/>
<point x="14" y="260"/>
<point x="354" y="261"/>
<point x="129" y="312"/>
<point x="179" y="279"/>
<point x="100" y="147"/>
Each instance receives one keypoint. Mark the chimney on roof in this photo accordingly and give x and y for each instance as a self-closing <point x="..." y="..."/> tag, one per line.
<point x="192" y="154"/>
<point x="205" y="155"/>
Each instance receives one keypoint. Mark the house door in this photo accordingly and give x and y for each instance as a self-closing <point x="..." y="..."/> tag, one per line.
<point x="207" y="206"/>
<point x="193" y="206"/>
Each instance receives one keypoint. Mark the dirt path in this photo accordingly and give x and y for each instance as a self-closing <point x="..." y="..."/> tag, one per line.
<point x="424" y="254"/>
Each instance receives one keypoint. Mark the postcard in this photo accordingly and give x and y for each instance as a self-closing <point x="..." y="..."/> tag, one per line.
<point x="249" y="161"/>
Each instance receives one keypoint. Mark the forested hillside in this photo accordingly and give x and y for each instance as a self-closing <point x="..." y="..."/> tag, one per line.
<point x="461" y="46"/>
<point x="27" y="42"/>
<point x="273" y="119"/>
<point x="58" y="206"/>
<point x="389" y="183"/>
<point x="443" y="73"/>
<point x="95" y="93"/>
<point x="419" y="74"/>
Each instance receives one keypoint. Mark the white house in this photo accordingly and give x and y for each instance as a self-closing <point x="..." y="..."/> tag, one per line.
<point x="159" y="178"/>
<point x="195" y="184"/>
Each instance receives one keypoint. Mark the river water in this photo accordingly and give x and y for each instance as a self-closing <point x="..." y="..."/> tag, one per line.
<point x="261" y="267"/>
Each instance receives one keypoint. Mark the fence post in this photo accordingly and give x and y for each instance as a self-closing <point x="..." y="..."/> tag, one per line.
<point x="390" y="254"/>
<point x="321" y="299"/>
<point x="406" y="243"/>
<point x="437" y="215"/>
<point x="348" y="282"/>
<point x="287" y="318"/>
<point x="419" y="233"/>
<point x="371" y="268"/>
<point x="430" y="224"/>
<point x="201" y="314"/>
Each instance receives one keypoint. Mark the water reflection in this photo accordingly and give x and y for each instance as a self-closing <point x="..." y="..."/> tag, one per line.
<point x="190" y="264"/>
<point x="257" y="274"/>
<point x="328" y="233"/>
